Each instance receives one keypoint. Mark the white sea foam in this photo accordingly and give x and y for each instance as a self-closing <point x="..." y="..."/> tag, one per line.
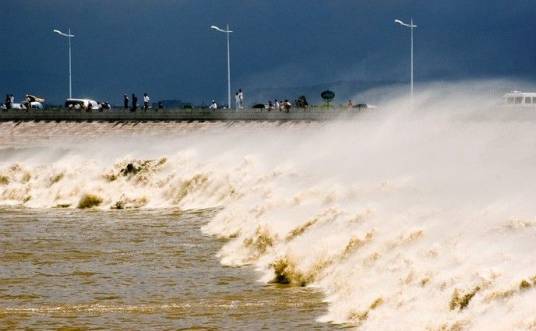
<point x="406" y="219"/>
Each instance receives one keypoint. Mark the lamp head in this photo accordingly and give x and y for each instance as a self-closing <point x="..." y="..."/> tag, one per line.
<point x="63" y="34"/>
<point x="219" y="29"/>
<point x="405" y="24"/>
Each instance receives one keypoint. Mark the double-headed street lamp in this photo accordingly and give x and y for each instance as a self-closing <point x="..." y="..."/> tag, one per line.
<point x="227" y="32"/>
<point x="68" y="36"/>
<point x="411" y="26"/>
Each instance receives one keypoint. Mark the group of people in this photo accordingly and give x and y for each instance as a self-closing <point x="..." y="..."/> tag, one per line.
<point x="134" y="102"/>
<point x="279" y="105"/>
<point x="239" y="99"/>
<point x="283" y="105"/>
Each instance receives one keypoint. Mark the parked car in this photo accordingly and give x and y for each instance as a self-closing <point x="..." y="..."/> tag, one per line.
<point x="22" y="106"/>
<point x="520" y="99"/>
<point x="81" y="104"/>
<point x="34" y="101"/>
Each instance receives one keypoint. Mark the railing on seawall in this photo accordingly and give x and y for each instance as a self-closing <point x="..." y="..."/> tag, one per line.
<point x="178" y="115"/>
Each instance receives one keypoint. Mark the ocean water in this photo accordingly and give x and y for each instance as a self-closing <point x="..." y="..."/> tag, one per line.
<point x="404" y="219"/>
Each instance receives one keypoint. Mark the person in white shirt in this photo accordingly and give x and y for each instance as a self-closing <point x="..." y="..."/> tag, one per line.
<point x="213" y="105"/>
<point x="11" y="100"/>
<point x="241" y="99"/>
<point x="237" y="100"/>
<point x="146" y="100"/>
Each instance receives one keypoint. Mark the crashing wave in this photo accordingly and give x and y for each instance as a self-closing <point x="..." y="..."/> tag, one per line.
<point x="406" y="220"/>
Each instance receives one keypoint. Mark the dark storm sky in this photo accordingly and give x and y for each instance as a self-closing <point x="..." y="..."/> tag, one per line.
<point x="165" y="47"/>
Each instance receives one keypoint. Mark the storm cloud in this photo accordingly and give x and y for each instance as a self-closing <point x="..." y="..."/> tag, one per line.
<point x="165" y="47"/>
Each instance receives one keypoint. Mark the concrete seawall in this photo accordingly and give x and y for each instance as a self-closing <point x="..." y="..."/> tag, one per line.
<point x="177" y="115"/>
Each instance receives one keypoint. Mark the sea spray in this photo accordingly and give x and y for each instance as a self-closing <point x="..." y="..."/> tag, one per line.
<point x="406" y="219"/>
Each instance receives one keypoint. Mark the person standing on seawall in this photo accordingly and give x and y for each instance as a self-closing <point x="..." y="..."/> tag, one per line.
<point x="213" y="105"/>
<point x="241" y="98"/>
<point x="28" y="102"/>
<point x="134" y="102"/>
<point x="125" y="101"/>
<point x="146" y="100"/>
<point x="8" y="101"/>
<point x="237" y="100"/>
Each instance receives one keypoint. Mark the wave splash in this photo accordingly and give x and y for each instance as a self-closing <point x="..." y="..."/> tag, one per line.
<point x="415" y="219"/>
<point x="129" y="183"/>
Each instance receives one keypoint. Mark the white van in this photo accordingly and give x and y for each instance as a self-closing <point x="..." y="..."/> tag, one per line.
<point x="520" y="99"/>
<point x="81" y="104"/>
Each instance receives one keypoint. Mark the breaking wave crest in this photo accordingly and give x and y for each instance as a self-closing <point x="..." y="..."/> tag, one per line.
<point x="405" y="219"/>
<point x="127" y="183"/>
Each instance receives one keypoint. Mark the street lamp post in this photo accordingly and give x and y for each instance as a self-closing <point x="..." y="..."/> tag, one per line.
<point x="68" y="36"/>
<point x="227" y="32"/>
<point x="411" y="26"/>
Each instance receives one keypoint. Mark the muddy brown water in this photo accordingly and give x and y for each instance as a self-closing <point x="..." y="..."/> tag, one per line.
<point x="134" y="270"/>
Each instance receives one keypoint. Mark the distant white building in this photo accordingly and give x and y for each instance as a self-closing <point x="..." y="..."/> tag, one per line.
<point x="522" y="99"/>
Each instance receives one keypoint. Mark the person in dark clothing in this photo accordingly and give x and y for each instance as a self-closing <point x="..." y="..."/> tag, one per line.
<point x="28" y="102"/>
<point x="286" y="106"/>
<point x="8" y="101"/>
<point x="125" y="101"/>
<point x="160" y="105"/>
<point x="105" y="106"/>
<point x="134" y="102"/>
